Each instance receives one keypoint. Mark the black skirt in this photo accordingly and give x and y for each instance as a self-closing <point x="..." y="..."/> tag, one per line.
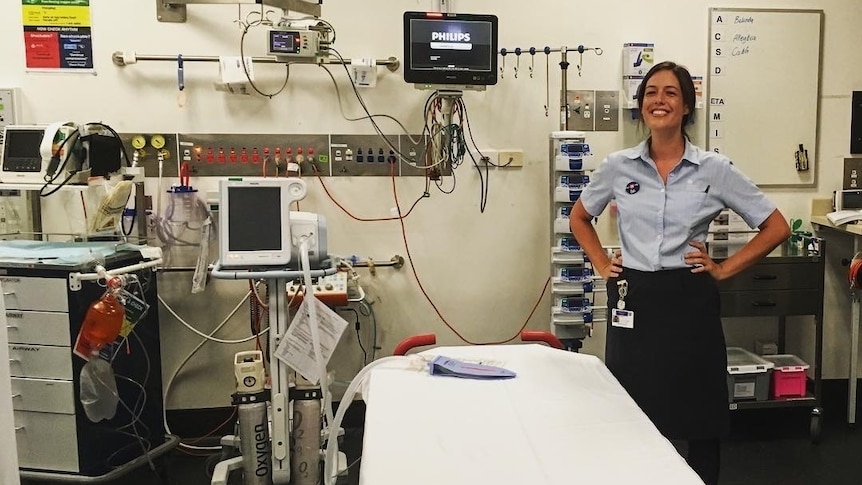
<point x="673" y="362"/>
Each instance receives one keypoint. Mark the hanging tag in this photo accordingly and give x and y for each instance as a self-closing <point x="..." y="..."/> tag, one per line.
<point x="181" y="83"/>
<point x="135" y="308"/>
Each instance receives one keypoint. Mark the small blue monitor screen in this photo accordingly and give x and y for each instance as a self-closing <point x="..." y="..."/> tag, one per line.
<point x="283" y="42"/>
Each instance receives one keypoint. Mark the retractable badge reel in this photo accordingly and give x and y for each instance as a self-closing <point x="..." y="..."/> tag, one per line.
<point x="620" y="316"/>
<point x="623" y="287"/>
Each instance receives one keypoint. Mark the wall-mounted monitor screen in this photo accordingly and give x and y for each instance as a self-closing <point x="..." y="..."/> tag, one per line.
<point x="448" y="48"/>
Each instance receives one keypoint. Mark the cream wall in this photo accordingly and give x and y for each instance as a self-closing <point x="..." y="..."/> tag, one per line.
<point x="484" y="271"/>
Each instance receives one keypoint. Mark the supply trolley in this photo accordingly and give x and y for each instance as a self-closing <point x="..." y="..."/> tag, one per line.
<point x="47" y="289"/>
<point x="787" y="282"/>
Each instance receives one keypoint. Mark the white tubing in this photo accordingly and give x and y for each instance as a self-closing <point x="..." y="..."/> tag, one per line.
<point x="331" y="451"/>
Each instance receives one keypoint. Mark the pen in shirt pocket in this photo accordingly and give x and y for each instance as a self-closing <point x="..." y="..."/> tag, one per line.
<point x="706" y="191"/>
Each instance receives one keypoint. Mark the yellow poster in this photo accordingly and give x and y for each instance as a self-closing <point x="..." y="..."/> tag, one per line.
<point x="57" y="34"/>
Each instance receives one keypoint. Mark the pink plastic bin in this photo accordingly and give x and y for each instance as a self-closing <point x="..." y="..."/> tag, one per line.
<point x="789" y="375"/>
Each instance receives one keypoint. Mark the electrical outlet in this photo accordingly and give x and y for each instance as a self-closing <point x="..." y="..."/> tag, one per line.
<point x="491" y="155"/>
<point x="511" y="158"/>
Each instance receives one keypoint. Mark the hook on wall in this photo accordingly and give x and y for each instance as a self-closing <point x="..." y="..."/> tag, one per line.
<point x="517" y="60"/>
<point x="564" y="64"/>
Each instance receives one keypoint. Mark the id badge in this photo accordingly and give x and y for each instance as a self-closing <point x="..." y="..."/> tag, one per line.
<point x="623" y="318"/>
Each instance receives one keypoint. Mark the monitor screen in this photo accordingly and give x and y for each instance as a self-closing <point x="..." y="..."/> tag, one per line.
<point x="283" y="42"/>
<point x="450" y="48"/>
<point x="23" y="142"/>
<point x="22" y="160"/>
<point x="255" y="219"/>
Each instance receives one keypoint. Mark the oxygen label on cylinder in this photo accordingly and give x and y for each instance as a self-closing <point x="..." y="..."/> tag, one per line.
<point x="261" y="449"/>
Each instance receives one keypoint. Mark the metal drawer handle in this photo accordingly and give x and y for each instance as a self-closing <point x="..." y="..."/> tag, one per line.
<point x="763" y="303"/>
<point x="7" y="293"/>
<point x="14" y="361"/>
<point x="15" y="395"/>
<point x="10" y="327"/>
<point x="764" y="277"/>
<point x="19" y="428"/>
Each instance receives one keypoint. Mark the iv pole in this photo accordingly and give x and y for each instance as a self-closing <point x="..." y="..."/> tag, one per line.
<point x="564" y="68"/>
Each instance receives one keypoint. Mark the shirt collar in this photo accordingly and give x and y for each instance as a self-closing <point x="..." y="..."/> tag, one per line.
<point x="641" y="152"/>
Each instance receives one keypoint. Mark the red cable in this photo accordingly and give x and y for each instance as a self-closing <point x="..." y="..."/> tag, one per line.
<point x="343" y="209"/>
<point x="853" y="273"/>
<point x="400" y="219"/>
<point x="360" y="219"/>
<point x="428" y="298"/>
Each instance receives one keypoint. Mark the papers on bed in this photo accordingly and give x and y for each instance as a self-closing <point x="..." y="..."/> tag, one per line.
<point x="446" y="366"/>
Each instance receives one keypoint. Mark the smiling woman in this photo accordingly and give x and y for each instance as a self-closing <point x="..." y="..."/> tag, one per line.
<point x="662" y="293"/>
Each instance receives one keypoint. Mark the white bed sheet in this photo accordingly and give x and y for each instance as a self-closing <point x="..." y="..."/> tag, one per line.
<point x="564" y="419"/>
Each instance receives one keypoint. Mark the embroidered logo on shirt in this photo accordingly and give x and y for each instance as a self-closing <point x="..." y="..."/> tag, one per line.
<point x="632" y="187"/>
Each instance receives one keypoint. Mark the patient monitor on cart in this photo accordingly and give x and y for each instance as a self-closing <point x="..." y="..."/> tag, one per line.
<point x="262" y="239"/>
<point x="257" y="227"/>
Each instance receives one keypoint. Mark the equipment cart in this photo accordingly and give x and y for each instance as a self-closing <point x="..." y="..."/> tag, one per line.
<point x="787" y="282"/>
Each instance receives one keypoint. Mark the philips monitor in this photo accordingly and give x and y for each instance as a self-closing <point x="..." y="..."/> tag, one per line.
<point x="450" y="49"/>
<point x="254" y="220"/>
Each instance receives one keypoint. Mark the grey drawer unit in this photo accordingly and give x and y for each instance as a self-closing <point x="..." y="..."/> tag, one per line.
<point x="777" y="276"/>
<point x="776" y="303"/>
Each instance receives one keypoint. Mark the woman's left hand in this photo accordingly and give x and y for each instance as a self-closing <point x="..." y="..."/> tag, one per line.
<point x="702" y="262"/>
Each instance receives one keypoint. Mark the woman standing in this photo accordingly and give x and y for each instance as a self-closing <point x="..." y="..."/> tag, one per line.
<point x="665" y="343"/>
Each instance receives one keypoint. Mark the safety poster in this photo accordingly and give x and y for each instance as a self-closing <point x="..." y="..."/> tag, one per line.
<point x="57" y="34"/>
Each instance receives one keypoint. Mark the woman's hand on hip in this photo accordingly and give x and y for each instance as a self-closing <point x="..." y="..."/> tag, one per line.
<point x="614" y="266"/>
<point x="702" y="262"/>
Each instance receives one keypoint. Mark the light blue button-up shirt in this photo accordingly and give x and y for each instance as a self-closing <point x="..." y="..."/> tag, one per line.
<point x="657" y="221"/>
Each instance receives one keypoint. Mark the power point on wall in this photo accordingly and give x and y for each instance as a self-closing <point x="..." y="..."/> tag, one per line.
<point x="510" y="158"/>
<point x="486" y="157"/>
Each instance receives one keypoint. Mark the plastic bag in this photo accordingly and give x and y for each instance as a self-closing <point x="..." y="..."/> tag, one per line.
<point x="99" y="390"/>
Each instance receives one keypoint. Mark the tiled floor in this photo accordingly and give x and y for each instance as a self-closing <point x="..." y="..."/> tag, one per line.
<point x="766" y="447"/>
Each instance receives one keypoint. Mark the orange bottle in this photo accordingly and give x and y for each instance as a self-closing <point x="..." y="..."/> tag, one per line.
<point x="103" y="322"/>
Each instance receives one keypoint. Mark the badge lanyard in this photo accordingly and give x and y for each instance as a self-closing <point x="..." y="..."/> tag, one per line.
<point x="623" y="288"/>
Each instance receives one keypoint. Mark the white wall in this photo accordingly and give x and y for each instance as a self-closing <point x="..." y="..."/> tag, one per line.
<point x="484" y="271"/>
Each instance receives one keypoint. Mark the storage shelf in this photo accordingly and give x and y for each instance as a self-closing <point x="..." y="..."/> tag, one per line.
<point x="786" y="402"/>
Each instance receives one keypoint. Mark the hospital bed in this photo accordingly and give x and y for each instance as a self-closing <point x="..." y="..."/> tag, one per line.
<point x="564" y="419"/>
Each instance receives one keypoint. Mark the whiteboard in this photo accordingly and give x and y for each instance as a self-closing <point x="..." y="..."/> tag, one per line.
<point x="764" y="92"/>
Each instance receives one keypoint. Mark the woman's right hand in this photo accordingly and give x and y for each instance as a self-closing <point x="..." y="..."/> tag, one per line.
<point x="614" y="266"/>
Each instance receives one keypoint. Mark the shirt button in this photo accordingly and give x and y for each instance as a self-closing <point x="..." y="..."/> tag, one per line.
<point x="658" y="238"/>
<point x="662" y="191"/>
